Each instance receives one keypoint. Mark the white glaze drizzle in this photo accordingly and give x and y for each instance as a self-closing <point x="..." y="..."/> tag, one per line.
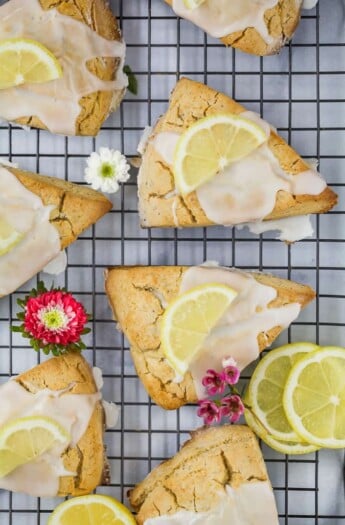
<point x="246" y="191"/>
<point x="220" y="18"/>
<point x="72" y="411"/>
<point x="40" y="244"/>
<point x="236" y="334"/>
<point x="56" y="103"/>
<point x="249" y="504"/>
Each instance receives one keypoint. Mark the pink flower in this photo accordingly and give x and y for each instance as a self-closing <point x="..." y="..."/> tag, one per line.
<point x="230" y="375"/>
<point x="54" y="317"/>
<point x="209" y="411"/>
<point x="213" y="382"/>
<point x="232" y="407"/>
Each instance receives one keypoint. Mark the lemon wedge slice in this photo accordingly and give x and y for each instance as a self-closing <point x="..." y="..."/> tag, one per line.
<point x="24" y="439"/>
<point x="284" y="447"/>
<point x="266" y="388"/>
<point x="210" y="145"/>
<point x="189" y="319"/>
<point x="314" y="397"/>
<point x="9" y="237"/>
<point x="89" y="510"/>
<point x="193" y="4"/>
<point x="25" y="61"/>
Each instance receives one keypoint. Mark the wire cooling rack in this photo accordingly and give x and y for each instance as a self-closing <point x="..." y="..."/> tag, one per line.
<point x="301" y="92"/>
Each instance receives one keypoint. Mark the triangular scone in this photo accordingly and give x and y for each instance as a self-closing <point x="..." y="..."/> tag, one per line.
<point x="76" y="207"/>
<point x="198" y="477"/>
<point x="138" y="296"/>
<point x="88" y="457"/>
<point x="94" y="107"/>
<point x="160" y="206"/>
<point x="62" y="212"/>
<point x="281" y="22"/>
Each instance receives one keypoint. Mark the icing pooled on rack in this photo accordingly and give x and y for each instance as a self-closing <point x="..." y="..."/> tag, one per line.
<point x="246" y="190"/>
<point x="73" y="411"/>
<point x="39" y="241"/>
<point x="220" y="18"/>
<point x="56" y="103"/>
<point x="236" y="334"/>
<point x="245" y="505"/>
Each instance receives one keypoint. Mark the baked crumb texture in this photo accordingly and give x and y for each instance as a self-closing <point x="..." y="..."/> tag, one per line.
<point x="95" y="107"/>
<point x="88" y="457"/>
<point x="159" y="207"/>
<point x="193" y="479"/>
<point x="138" y="296"/>
<point x="282" y="21"/>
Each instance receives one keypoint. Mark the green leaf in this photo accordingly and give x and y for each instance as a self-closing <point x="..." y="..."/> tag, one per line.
<point x="132" y="81"/>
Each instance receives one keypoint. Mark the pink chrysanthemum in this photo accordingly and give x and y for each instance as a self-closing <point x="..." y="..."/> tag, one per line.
<point x="53" y="321"/>
<point x="55" y="318"/>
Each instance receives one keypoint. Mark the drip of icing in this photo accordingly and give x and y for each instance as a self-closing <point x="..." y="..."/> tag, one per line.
<point x="246" y="190"/>
<point x="309" y="4"/>
<point x="40" y="244"/>
<point x="57" y="265"/>
<point x="248" y="504"/>
<point x="56" y="103"/>
<point x="291" y="229"/>
<point x="236" y="334"/>
<point x="72" y="411"/>
<point x="144" y="140"/>
<point x="220" y="18"/>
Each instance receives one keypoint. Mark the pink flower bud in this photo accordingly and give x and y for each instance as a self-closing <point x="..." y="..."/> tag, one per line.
<point x="230" y="375"/>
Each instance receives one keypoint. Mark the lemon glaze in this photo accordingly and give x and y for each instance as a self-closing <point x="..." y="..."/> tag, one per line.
<point x="248" y="504"/>
<point x="220" y="18"/>
<point x="40" y="478"/>
<point x="236" y="334"/>
<point x="56" y="103"/>
<point x="40" y="242"/>
<point x="246" y="190"/>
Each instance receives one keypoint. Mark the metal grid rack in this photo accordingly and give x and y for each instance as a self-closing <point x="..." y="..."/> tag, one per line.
<point x="301" y="91"/>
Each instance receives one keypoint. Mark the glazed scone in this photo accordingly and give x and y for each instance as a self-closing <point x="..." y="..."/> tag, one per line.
<point x="69" y="375"/>
<point x="139" y="295"/>
<point x="277" y="19"/>
<point x="108" y="82"/>
<point x="48" y="215"/>
<point x="213" y="463"/>
<point x="161" y="206"/>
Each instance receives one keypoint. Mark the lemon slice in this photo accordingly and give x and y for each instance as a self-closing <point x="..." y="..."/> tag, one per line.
<point x="193" y="4"/>
<point x="25" y="61"/>
<point x="24" y="439"/>
<point x="314" y="397"/>
<point x="211" y="144"/>
<point x="266" y="388"/>
<point x="9" y="237"/>
<point x="91" y="510"/>
<point x="284" y="447"/>
<point x="189" y="319"/>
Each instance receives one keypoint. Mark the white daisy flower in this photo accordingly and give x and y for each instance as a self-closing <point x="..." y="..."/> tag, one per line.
<point x="106" y="169"/>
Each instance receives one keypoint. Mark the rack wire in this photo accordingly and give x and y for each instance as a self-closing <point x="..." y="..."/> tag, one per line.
<point x="301" y="91"/>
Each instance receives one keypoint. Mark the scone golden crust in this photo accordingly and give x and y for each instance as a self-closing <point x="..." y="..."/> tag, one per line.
<point x="88" y="457"/>
<point x="138" y="296"/>
<point x="95" y="107"/>
<point x="160" y="207"/>
<point x="193" y="479"/>
<point x="76" y="207"/>
<point x="281" y="21"/>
